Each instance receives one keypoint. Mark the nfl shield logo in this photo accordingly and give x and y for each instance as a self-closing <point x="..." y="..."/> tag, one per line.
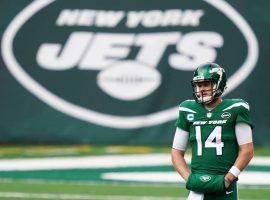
<point x="209" y="115"/>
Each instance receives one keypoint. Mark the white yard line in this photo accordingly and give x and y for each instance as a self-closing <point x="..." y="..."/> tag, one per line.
<point x="89" y="162"/>
<point x="92" y="162"/>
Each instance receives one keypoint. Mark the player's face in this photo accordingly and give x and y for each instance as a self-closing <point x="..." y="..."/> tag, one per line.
<point x="204" y="89"/>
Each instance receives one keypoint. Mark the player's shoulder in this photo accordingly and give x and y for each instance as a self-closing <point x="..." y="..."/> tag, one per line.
<point x="236" y="104"/>
<point x="188" y="106"/>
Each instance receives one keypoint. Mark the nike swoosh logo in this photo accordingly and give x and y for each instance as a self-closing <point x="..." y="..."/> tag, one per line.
<point x="229" y="192"/>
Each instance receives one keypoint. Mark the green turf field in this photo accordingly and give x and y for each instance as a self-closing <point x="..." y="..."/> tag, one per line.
<point x="82" y="184"/>
<point x="26" y="190"/>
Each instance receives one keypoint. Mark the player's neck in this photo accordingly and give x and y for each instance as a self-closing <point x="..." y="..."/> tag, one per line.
<point x="213" y="104"/>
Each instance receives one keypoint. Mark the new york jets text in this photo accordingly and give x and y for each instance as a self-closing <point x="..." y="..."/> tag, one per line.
<point x="95" y="51"/>
<point x="148" y="19"/>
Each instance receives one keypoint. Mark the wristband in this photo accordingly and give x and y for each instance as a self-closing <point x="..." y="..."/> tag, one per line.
<point x="235" y="171"/>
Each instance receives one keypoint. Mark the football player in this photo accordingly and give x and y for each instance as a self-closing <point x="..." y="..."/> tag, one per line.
<point x="219" y="132"/>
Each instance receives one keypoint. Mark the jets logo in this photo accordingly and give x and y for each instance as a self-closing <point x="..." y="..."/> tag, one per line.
<point x="226" y="115"/>
<point x="205" y="178"/>
<point x="125" y="67"/>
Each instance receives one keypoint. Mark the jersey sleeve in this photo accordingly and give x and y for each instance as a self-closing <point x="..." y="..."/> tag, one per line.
<point x="244" y="115"/>
<point x="182" y="121"/>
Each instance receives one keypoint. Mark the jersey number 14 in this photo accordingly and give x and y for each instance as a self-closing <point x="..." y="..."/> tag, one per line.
<point x="213" y="140"/>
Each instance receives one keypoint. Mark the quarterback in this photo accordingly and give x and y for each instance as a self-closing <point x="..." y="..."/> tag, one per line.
<point x="219" y="132"/>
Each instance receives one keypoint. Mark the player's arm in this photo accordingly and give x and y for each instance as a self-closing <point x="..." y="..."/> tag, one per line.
<point x="178" y="151"/>
<point x="244" y="138"/>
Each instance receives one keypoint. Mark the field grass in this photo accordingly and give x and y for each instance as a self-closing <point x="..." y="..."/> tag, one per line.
<point x="26" y="190"/>
<point x="26" y="187"/>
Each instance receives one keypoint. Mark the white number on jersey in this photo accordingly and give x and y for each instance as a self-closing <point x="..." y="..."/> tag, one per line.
<point x="213" y="140"/>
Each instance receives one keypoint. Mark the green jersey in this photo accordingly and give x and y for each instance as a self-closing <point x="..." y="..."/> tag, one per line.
<point x="212" y="133"/>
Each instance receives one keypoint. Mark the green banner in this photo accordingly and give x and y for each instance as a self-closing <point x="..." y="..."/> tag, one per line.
<point x="114" y="72"/>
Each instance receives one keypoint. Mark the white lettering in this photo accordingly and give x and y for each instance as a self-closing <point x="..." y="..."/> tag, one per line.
<point x="134" y="18"/>
<point x="91" y="51"/>
<point x="196" y="48"/>
<point x="148" y="19"/>
<point x="191" y="17"/>
<point x="152" y="18"/>
<point x="105" y="49"/>
<point x="109" y="18"/>
<point x="199" y="122"/>
<point x="68" y="17"/>
<point x="50" y="56"/>
<point x="153" y="46"/>
<point x="86" y="17"/>
<point x="171" y="18"/>
<point x="156" y="18"/>
<point x="217" y="122"/>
